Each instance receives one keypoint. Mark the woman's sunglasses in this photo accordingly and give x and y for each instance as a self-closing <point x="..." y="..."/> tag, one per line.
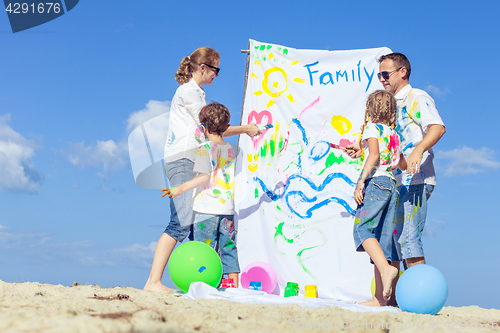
<point x="216" y="69"/>
<point x="386" y="75"/>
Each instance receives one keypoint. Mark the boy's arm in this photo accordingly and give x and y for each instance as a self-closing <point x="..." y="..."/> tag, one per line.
<point x="197" y="181"/>
<point x="250" y="129"/>
<point x="371" y="161"/>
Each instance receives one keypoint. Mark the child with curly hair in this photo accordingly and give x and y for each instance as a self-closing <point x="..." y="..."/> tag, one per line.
<point x="213" y="202"/>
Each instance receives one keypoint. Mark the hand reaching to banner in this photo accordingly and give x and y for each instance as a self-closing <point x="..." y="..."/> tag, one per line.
<point x="253" y="130"/>
<point x="354" y="151"/>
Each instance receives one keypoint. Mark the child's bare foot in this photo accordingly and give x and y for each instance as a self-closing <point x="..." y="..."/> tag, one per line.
<point x="157" y="287"/>
<point x="373" y="302"/>
<point x="388" y="275"/>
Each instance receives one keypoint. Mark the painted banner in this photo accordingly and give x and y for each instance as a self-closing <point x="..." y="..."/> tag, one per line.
<point x="294" y="191"/>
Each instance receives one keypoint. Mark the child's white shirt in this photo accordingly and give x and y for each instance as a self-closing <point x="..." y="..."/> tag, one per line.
<point x="216" y="196"/>
<point x="388" y="146"/>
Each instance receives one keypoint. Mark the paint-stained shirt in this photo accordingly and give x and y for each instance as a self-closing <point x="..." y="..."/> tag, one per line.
<point x="388" y="146"/>
<point x="184" y="135"/>
<point x="416" y="112"/>
<point x="217" y="196"/>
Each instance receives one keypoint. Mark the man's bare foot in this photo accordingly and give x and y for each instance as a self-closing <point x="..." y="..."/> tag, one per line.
<point x="388" y="275"/>
<point x="392" y="302"/>
<point x="373" y="302"/>
<point x="157" y="287"/>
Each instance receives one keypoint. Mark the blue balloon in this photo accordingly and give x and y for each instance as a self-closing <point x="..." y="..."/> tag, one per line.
<point x="422" y="289"/>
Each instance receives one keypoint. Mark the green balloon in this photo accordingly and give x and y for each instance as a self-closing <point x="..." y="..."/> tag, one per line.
<point x="194" y="262"/>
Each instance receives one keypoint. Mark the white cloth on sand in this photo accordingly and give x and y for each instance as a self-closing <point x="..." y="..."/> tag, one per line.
<point x="199" y="290"/>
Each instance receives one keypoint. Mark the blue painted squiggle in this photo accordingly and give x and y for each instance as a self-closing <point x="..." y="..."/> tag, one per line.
<point x="301" y="128"/>
<point x="316" y="206"/>
<point x="326" y="181"/>
<point x="319" y="150"/>
<point x="274" y="196"/>
<point x="407" y="146"/>
<point x="268" y="192"/>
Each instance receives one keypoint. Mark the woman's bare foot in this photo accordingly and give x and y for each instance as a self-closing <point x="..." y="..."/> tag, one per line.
<point x="388" y="275"/>
<point x="157" y="287"/>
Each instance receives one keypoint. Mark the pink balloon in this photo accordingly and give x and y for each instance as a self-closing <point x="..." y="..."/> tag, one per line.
<point x="259" y="271"/>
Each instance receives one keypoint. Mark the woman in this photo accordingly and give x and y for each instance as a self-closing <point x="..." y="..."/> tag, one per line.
<point x="201" y="68"/>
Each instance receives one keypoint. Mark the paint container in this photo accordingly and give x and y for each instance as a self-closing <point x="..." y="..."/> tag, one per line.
<point x="227" y="283"/>
<point x="255" y="285"/>
<point x="311" y="291"/>
<point x="292" y="289"/>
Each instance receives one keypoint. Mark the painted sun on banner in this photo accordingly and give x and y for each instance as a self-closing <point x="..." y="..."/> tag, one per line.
<point x="295" y="183"/>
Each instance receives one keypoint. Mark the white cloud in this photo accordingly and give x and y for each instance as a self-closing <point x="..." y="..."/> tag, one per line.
<point x="153" y="109"/>
<point x="139" y="255"/>
<point x="41" y="245"/>
<point x="433" y="225"/>
<point x="113" y="155"/>
<point x="17" y="171"/>
<point x="140" y="249"/>
<point x="105" y="184"/>
<point x="465" y="160"/>
<point x="435" y="91"/>
<point x="109" y="155"/>
<point x="125" y="27"/>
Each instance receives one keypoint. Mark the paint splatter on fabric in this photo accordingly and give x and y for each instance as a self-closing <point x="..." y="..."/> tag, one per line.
<point x="216" y="196"/>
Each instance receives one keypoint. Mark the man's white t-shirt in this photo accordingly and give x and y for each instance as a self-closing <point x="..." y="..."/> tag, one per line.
<point x="416" y="111"/>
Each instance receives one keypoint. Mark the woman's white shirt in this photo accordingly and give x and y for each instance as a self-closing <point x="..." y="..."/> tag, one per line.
<point x="183" y="132"/>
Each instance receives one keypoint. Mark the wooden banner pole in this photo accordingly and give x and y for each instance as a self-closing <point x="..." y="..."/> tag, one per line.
<point x="245" y="87"/>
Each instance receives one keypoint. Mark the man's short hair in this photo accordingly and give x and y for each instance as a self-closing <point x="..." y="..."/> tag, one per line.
<point x="399" y="60"/>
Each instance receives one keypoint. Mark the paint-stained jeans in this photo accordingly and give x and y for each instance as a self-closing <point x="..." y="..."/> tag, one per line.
<point x="411" y="214"/>
<point x="375" y="216"/>
<point x="181" y="210"/>
<point x="219" y="230"/>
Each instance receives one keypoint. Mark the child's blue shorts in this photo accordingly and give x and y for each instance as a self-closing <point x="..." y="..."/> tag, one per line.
<point x="375" y="217"/>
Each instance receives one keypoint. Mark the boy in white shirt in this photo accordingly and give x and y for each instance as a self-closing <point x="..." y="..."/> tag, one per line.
<point x="214" y="199"/>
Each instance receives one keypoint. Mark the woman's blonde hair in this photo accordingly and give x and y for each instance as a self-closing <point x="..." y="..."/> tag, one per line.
<point x="202" y="55"/>
<point x="381" y="108"/>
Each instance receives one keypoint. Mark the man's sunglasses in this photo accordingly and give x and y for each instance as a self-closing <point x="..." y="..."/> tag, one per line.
<point x="386" y="75"/>
<point x="216" y="69"/>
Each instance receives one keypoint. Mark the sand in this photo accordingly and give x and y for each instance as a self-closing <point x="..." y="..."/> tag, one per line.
<point x="35" y="307"/>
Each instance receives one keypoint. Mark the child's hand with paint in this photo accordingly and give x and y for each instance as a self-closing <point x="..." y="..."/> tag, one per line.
<point x="354" y="151"/>
<point x="358" y="192"/>
<point x="171" y="192"/>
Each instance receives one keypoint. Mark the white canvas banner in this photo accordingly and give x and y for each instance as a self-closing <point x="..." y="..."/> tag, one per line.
<point x="294" y="192"/>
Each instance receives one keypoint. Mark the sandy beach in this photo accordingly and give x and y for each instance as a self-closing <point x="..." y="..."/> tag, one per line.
<point x="35" y="307"/>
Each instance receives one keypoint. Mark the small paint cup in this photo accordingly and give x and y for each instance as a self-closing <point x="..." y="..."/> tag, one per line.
<point x="255" y="285"/>
<point x="311" y="291"/>
<point x="291" y="289"/>
<point x="227" y="283"/>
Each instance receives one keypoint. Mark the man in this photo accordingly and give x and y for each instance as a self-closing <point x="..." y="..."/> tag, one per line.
<point x="420" y="127"/>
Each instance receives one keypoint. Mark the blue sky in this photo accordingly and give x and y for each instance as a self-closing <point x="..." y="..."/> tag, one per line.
<point x="71" y="91"/>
